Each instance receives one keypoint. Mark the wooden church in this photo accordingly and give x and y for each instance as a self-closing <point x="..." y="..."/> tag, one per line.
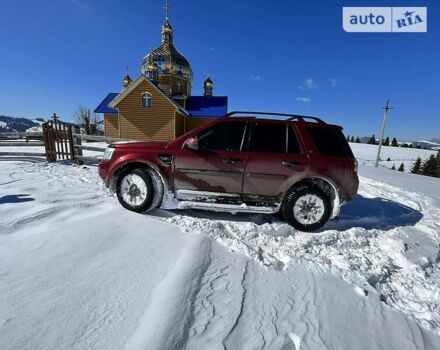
<point x="158" y="105"/>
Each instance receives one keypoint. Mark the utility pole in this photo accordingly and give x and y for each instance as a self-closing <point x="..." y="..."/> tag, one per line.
<point x="384" y="122"/>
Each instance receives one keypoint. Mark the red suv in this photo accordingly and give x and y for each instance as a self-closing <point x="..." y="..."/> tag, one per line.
<point x="300" y="167"/>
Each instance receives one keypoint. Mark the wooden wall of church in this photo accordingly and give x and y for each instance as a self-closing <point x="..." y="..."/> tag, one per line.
<point x="155" y="123"/>
<point x="192" y="123"/>
<point x="111" y="125"/>
<point x="174" y="86"/>
<point x="179" y="124"/>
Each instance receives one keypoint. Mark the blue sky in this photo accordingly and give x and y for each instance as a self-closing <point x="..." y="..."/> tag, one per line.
<point x="285" y="56"/>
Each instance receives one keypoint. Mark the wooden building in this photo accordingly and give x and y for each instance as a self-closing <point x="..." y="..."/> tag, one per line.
<point x="158" y="105"/>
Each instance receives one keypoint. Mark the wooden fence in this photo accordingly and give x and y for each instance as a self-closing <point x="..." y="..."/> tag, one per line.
<point x="21" y="139"/>
<point x="60" y="141"/>
<point x="79" y="147"/>
<point x="57" y="140"/>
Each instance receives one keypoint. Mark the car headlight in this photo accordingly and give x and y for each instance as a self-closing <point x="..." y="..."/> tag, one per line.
<point x="108" y="153"/>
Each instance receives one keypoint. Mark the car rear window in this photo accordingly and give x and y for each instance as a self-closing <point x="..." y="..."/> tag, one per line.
<point x="330" y="142"/>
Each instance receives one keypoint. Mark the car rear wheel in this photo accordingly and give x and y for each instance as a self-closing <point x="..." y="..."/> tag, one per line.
<point x="135" y="190"/>
<point x="306" y="208"/>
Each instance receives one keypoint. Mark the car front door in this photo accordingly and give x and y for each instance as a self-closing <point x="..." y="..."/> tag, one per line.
<point x="275" y="161"/>
<point x="216" y="169"/>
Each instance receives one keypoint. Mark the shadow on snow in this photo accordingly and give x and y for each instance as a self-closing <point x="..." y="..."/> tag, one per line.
<point x="374" y="213"/>
<point x="15" y="198"/>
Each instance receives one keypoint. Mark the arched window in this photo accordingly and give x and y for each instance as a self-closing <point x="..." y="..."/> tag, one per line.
<point x="146" y="99"/>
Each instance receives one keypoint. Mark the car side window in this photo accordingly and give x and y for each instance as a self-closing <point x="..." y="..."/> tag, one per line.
<point x="227" y="136"/>
<point x="268" y="137"/>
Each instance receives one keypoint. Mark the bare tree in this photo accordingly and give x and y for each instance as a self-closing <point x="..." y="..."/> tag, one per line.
<point x="88" y="121"/>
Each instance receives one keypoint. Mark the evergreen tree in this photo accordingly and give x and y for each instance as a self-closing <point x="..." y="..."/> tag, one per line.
<point x="401" y="167"/>
<point x="372" y="140"/>
<point x="387" y="141"/>
<point x="430" y="166"/>
<point x="352" y="139"/>
<point x="417" y="166"/>
<point x="358" y="140"/>
<point x="348" y="138"/>
<point x="438" y="163"/>
<point x="393" y="167"/>
<point x="410" y="145"/>
<point x="394" y="142"/>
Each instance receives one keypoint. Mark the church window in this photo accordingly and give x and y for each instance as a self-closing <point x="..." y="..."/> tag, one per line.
<point x="146" y="99"/>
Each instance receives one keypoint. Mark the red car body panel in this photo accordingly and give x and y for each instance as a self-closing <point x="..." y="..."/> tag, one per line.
<point x="245" y="174"/>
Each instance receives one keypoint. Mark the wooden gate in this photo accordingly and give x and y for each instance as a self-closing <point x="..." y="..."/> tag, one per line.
<point x="58" y="140"/>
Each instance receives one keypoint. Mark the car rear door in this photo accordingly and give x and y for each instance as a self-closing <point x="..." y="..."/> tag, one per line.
<point x="216" y="170"/>
<point x="275" y="160"/>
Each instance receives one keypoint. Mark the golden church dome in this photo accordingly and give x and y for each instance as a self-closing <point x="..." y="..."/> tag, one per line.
<point x="168" y="59"/>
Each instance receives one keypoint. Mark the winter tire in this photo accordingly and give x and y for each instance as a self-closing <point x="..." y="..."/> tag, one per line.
<point x="135" y="190"/>
<point x="306" y="208"/>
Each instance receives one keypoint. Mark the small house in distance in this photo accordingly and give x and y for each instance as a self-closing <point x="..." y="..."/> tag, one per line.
<point x="158" y="105"/>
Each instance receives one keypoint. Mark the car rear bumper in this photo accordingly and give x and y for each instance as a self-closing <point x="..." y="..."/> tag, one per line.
<point x="350" y="189"/>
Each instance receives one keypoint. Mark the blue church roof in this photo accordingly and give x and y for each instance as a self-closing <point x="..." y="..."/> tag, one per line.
<point x="207" y="106"/>
<point x="103" y="106"/>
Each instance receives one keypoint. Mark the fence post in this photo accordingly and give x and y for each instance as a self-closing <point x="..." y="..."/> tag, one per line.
<point x="49" y="143"/>
<point x="70" y="137"/>
<point x="77" y="142"/>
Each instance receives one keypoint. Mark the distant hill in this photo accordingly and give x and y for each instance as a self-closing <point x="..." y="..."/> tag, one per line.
<point x="8" y="124"/>
<point x="433" y="144"/>
<point x="428" y="145"/>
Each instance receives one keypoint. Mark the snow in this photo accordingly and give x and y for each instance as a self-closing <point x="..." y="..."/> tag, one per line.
<point x="40" y="149"/>
<point x="79" y="271"/>
<point x="429" y="142"/>
<point x="367" y="154"/>
<point x="35" y="129"/>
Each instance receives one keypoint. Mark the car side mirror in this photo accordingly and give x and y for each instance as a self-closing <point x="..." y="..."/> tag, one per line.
<point x="192" y="143"/>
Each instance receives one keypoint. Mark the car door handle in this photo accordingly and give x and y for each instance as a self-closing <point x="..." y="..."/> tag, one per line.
<point x="290" y="163"/>
<point x="231" y="160"/>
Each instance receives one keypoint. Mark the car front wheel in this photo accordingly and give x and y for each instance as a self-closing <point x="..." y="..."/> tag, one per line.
<point x="306" y="208"/>
<point x="135" y="190"/>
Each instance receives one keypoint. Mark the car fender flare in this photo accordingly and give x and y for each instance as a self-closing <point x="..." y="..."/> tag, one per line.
<point x="115" y="172"/>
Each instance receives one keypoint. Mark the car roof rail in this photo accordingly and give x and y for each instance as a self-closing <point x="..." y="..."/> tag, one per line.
<point x="290" y="116"/>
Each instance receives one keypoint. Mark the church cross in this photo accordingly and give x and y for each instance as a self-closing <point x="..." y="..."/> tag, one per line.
<point x="167" y="10"/>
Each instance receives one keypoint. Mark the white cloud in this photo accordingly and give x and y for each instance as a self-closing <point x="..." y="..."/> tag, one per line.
<point x="303" y="99"/>
<point x="255" y="77"/>
<point x="332" y="82"/>
<point x="308" y="84"/>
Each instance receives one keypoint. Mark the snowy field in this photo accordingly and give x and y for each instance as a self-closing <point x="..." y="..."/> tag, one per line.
<point x="397" y="155"/>
<point x="77" y="271"/>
